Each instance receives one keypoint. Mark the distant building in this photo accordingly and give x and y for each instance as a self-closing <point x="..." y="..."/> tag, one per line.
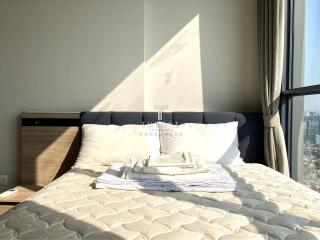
<point x="318" y="139"/>
<point x="312" y="128"/>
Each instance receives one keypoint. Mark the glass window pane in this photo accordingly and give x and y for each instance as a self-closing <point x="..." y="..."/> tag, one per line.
<point x="306" y="140"/>
<point x="306" y="62"/>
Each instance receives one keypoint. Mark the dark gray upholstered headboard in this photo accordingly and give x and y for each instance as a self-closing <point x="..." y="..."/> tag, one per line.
<point x="250" y="128"/>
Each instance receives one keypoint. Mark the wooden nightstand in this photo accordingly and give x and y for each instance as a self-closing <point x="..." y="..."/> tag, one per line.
<point x="24" y="191"/>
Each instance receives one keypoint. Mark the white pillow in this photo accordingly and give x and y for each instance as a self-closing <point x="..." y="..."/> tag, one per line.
<point x="215" y="143"/>
<point x="103" y="145"/>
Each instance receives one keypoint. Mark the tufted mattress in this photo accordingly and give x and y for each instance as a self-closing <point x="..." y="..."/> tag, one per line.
<point x="267" y="206"/>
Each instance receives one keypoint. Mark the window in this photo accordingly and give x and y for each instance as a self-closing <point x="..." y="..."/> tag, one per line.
<point x="301" y="95"/>
<point x="306" y="43"/>
<point x="306" y="140"/>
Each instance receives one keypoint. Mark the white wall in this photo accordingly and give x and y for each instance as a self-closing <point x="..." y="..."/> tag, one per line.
<point x="74" y="55"/>
<point x="62" y="55"/>
<point x="228" y="44"/>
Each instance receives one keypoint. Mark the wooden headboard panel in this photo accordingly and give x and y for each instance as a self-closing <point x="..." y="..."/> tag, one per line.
<point x="49" y="146"/>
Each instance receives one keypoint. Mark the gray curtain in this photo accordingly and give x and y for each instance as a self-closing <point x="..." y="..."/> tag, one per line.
<point x="272" y="15"/>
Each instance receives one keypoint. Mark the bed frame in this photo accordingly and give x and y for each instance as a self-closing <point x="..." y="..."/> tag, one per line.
<point x="50" y="141"/>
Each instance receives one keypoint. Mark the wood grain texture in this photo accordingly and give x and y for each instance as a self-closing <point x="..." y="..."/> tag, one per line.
<point x="47" y="152"/>
<point x="51" y="115"/>
<point x="22" y="193"/>
<point x="5" y="208"/>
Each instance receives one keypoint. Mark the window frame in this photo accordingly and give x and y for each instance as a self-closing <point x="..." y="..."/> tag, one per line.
<point x="288" y="91"/>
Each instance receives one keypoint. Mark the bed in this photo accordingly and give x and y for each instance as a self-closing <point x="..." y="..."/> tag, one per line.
<point x="268" y="205"/>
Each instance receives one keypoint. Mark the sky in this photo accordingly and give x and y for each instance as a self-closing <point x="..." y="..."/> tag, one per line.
<point x="312" y="52"/>
<point x="312" y="42"/>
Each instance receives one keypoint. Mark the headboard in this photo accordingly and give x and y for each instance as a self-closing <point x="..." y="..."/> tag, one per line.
<point x="50" y="141"/>
<point x="49" y="146"/>
<point x="250" y="128"/>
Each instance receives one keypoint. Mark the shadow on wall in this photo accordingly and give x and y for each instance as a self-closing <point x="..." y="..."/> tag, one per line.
<point x="167" y="78"/>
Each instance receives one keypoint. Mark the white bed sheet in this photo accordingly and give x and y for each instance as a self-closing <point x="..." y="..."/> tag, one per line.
<point x="267" y="206"/>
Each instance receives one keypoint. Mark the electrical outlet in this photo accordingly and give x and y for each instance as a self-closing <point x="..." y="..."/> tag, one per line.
<point x="3" y="180"/>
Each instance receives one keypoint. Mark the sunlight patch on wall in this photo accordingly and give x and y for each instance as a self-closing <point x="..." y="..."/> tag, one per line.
<point x="171" y="77"/>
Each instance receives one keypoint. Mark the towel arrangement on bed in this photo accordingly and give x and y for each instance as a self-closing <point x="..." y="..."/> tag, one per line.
<point x="175" y="172"/>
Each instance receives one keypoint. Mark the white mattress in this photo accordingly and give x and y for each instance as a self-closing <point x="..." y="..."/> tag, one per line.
<point x="268" y="206"/>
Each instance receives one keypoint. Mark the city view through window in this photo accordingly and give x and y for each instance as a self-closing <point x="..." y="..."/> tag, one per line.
<point x="309" y="75"/>
<point x="311" y="142"/>
<point x="305" y="140"/>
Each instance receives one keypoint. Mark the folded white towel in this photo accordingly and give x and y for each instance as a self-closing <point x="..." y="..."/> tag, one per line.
<point x="172" y="171"/>
<point x="173" y="164"/>
<point x="217" y="180"/>
<point x="178" y="159"/>
<point x="195" y="174"/>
